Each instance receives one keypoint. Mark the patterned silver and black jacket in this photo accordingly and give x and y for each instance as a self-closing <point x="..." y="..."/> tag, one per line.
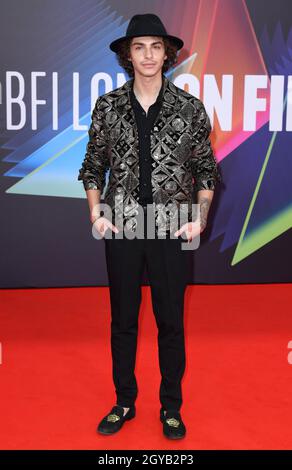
<point x="182" y="158"/>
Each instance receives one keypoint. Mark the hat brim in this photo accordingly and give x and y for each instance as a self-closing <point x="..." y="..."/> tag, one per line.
<point x="114" y="46"/>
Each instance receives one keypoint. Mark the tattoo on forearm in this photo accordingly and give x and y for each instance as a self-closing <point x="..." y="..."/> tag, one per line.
<point x="204" y="208"/>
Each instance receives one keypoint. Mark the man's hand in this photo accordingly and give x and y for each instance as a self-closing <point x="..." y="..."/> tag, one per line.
<point x="102" y="224"/>
<point x="192" y="229"/>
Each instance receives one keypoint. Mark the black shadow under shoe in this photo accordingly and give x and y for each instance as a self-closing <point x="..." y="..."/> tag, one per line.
<point x="173" y="426"/>
<point x="115" y="419"/>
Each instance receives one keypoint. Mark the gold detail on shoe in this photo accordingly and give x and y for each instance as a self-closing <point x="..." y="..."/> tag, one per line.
<point x="173" y="422"/>
<point x="113" y="418"/>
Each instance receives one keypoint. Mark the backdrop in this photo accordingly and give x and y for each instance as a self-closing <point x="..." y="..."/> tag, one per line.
<point x="55" y="62"/>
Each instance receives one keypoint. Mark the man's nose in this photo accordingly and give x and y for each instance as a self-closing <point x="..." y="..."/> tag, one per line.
<point x="148" y="53"/>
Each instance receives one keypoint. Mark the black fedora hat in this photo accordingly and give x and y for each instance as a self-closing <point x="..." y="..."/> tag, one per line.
<point x="147" y="24"/>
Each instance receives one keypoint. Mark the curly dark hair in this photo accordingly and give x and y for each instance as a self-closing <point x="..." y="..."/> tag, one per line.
<point x="123" y="55"/>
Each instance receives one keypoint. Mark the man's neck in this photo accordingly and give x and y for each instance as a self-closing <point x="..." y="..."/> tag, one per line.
<point x="147" y="89"/>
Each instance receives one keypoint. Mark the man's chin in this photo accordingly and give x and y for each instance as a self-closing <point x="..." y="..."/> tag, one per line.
<point x="151" y="72"/>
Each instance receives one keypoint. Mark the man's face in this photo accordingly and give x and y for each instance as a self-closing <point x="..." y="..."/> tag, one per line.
<point x="147" y="54"/>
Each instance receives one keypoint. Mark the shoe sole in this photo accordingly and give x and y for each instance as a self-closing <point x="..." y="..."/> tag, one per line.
<point x="108" y="433"/>
<point x="174" y="437"/>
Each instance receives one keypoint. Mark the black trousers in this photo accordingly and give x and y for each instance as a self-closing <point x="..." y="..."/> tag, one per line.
<point x="168" y="268"/>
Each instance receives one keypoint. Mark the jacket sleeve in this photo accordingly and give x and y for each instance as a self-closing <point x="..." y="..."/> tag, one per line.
<point x="96" y="161"/>
<point x="203" y="163"/>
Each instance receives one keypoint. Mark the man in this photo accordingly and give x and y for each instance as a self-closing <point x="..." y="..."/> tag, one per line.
<point x="154" y="138"/>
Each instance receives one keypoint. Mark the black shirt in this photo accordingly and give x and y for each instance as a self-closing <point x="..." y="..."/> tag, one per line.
<point x="144" y="124"/>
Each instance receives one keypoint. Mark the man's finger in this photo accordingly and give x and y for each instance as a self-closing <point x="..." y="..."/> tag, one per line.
<point x="113" y="227"/>
<point x="104" y="229"/>
<point x="178" y="232"/>
<point x="101" y="229"/>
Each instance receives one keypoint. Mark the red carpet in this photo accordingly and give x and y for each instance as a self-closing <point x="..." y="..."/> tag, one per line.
<point x="56" y="370"/>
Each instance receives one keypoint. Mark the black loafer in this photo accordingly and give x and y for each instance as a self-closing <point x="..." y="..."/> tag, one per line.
<point x="115" y="419"/>
<point x="173" y="426"/>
